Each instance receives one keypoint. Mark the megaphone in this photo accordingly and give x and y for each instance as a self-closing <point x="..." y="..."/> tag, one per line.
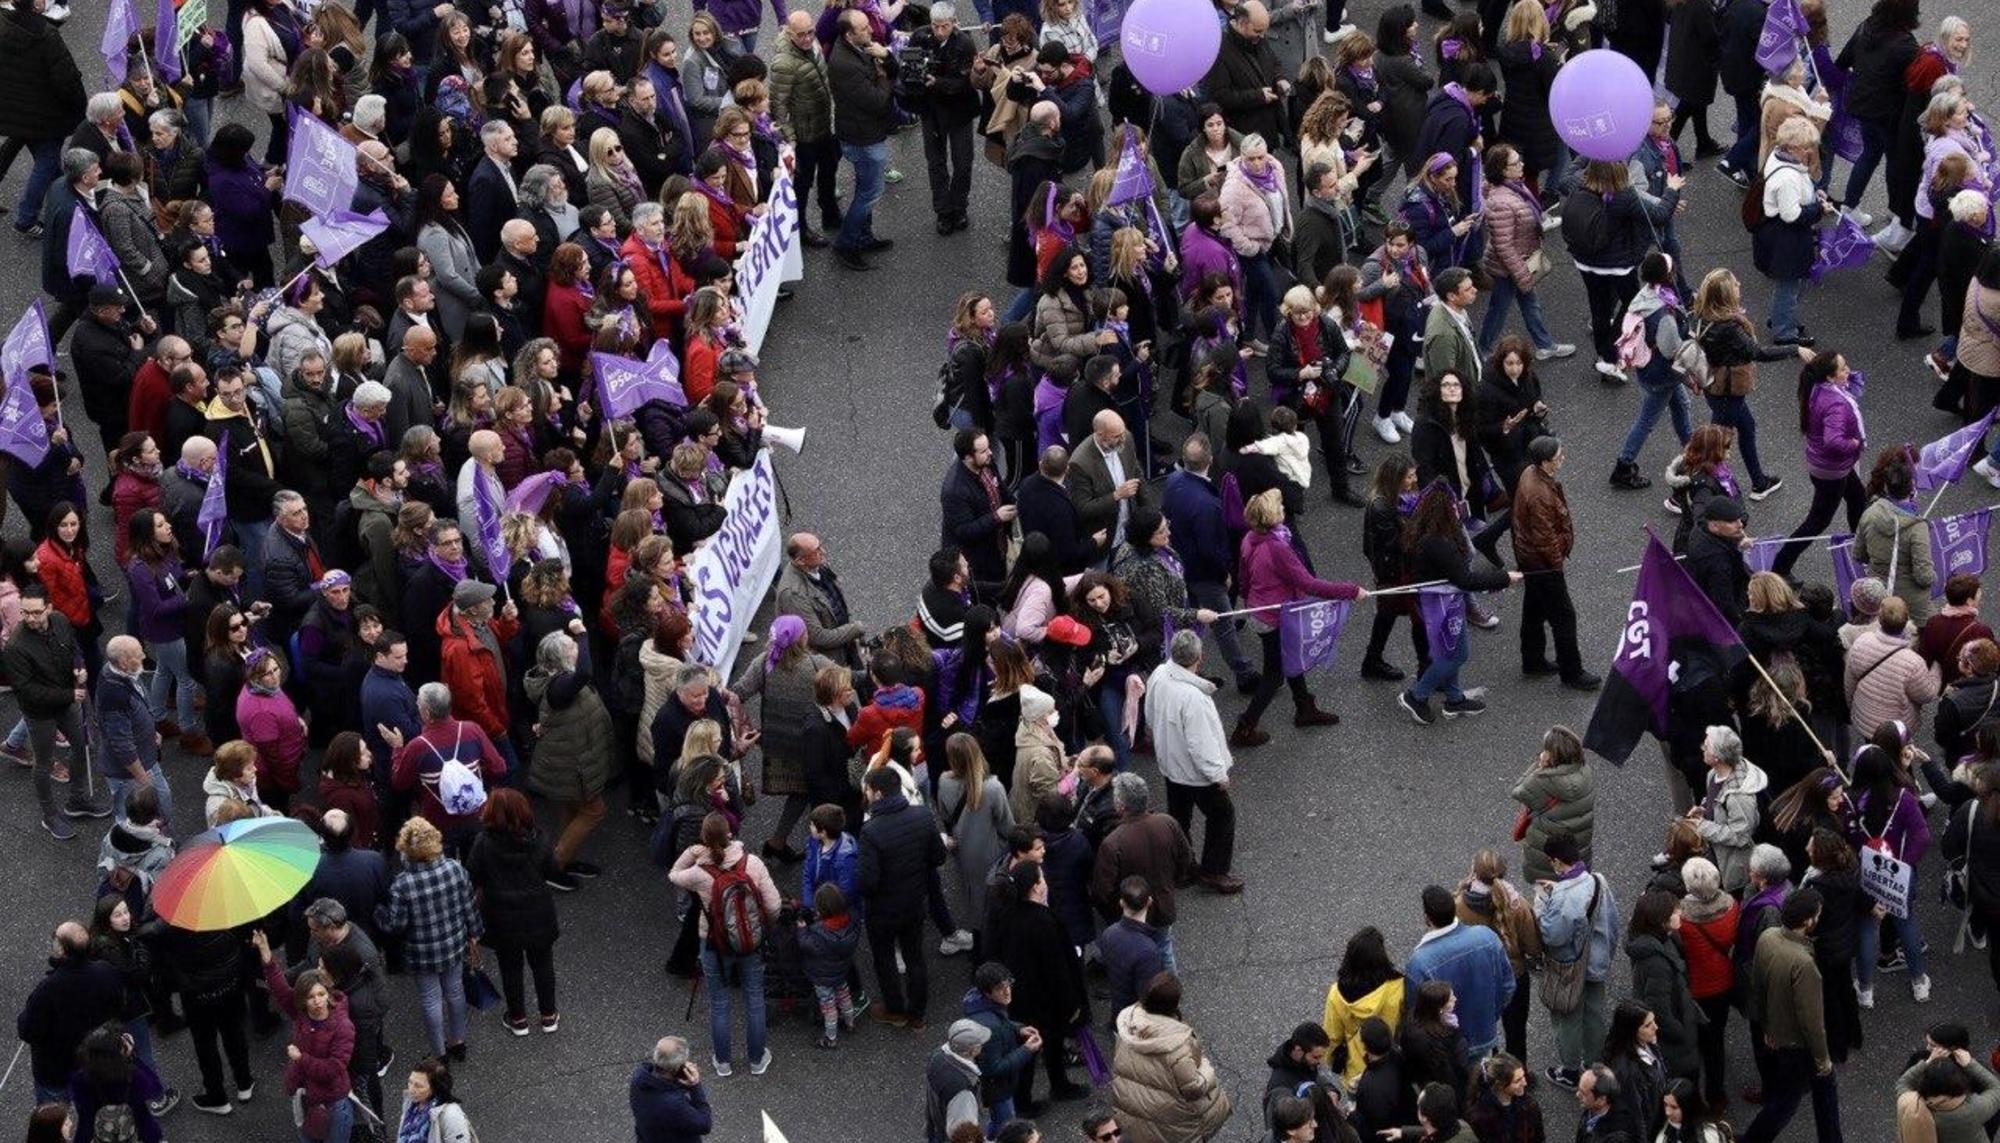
<point x="793" y="439"/>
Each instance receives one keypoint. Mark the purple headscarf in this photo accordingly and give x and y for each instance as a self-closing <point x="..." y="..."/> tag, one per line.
<point x="786" y="630"/>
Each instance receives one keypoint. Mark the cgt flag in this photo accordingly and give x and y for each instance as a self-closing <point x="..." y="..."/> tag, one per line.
<point x="1673" y="637"/>
<point x="1309" y="634"/>
<point x="1133" y="180"/>
<point x="487" y="507"/>
<point x="1778" y="44"/>
<point x="1443" y="609"/>
<point x="336" y="235"/>
<point x="121" y="23"/>
<point x="1945" y="459"/>
<point x="1842" y="246"/>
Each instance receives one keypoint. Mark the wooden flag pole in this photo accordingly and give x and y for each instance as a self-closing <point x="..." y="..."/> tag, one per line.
<point x="1797" y="717"/>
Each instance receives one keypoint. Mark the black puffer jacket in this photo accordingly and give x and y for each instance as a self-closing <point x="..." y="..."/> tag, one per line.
<point x="1614" y="235"/>
<point x="1877" y="56"/>
<point x="507" y="870"/>
<point x="900" y="845"/>
<point x="41" y="91"/>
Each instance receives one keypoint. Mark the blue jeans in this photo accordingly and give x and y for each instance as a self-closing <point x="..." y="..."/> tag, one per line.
<point x="1164" y="938"/>
<point x="870" y="163"/>
<point x="1907" y="930"/>
<point x="1743" y="154"/>
<point x="171" y="673"/>
<point x="1734" y="412"/>
<point x="199" y="112"/>
<point x="1443" y="672"/>
<point x="1022" y="305"/>
<point x="339" y="1124"/>
<point x="1504" y="293"/>
<point x="1784" y="318"/>
<point x="1874" y="144"/>
<point x="122" y="788"/>
<point x="48" y="165"/>
<point x="442" y="995"/>
<point x="1002" y="1111"/>
<point x="751" y="967"/>
<point x="250" y="537"/>
<point x="1111" y="706"/>
<point x="1654" y="401"/>
<point x="142" y="1042"/>
<point x="1212" y="595"/>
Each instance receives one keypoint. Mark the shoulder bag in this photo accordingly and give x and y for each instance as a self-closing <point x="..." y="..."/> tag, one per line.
<point x="1561" y="984"/>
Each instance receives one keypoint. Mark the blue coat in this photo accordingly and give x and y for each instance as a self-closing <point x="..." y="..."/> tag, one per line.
<point x="1472" y="960"/>
<point x="126" y="720"/>
<point x="666" y="1110"/>
<point x="829" y="952"/>
<point x="1130" y="952"/>
<point x="842" y="868"/>
<point x="388" y="700"/>
<point x="1193" y="508"/>
<point x="418" y="21"/>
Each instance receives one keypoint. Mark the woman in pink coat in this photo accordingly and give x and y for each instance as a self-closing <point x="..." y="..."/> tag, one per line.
<point x="1271" y="574"/>
<point x="267" y="720"/>
<point x="322" y="1046"/>
<point x="704" y="870"/>
<point x="1256" y="212"/>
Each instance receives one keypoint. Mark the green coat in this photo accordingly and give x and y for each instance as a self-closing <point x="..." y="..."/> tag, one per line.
<point x="572" y="760"/>
<point x="1557" y="798"/>
<point x="1886" y="528"/>
<point x="1448" y="349"/>
<point x="801" y="100"/>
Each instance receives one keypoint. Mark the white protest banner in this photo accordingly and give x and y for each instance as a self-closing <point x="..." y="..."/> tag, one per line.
<point x="189" y="20"/>
<point x="769" y="258"/>
<point x="733" y="570"/>
<point x="1887" y="880"/>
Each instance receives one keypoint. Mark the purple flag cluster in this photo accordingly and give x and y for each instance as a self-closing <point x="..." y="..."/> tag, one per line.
<point x="23" y="434"/>
<point x="1309" y="634"/>
<point x="339" y="233"/>
<point x="1764" y="553"/>
<point x="1958" y="546"/>
<point x="1673" y="635"/>
<point x="487" y="508"/>
<point x="533" y="492"/>
<point x="1945" y="459"/>
<point x="624" y="384"/>
<point x="214" y="512"/>
<point x="1443" y="609"/>
<point x="1843" y="129"/>
<point x="1842" y="246"/>
<point x="89" y="254"/>
<point x="1133" y="180"/>
<point x="1784" y="27"/>
<point x="1846" y="569"/>
<point x="319" y="167"/>
<point x="121" y="23"/>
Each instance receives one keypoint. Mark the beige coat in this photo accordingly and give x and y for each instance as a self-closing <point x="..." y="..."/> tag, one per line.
<point x="1038" y="768"/>
<point x="1163" y="1088"/>
<point x="1899" y="687"/>
<point x="1979" y="343"/>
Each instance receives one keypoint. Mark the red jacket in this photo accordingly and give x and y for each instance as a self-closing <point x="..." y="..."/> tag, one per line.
<point x="698" y="368"/>
<point x="325" y="1046"/>
<point x="422" y="759"/>
<point x="146" y="408"/>
<point x="130" y="492"/>
<point x="477" y="677"/>
<point x="1711" y="972"/>
<point x="665" y="284"/>
<point x="563" y="310"/>
<point x="893" y="707"/>
<point x="68" y="592"/>
<point x="730" y="225"/>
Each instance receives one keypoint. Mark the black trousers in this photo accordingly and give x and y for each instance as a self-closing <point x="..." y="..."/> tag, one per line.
<point x="1387" y="610"/>
<point x="1827" y="495"/>
<point x="1052" y="1062"/>
<point x="815" y="165"/>
<point x="1607" y="295"/>
<point x="1698" y="115"/>
<point x="1917" y="268"/>
<point x="948" y="138"/>
<point x="1272" y="678"/>
<point x="212" y="1017"/>
<point x="1218" y="811"/>
<point x="1712" y="1042"/>
<point x="906" y="993"/>
<point x="1545" y="602"/>
<point x="1789" y="1078"/>
<point x="541" y="960"/>
<point x="1514" y="1020"/>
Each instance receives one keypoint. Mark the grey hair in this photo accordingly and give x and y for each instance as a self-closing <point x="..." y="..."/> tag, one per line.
<point x="196" y="449"/>
<point x="670" y="1054"/>
<point x="1197" y="451"/>
<point x="285" y="499"/>
<point x="433" y="701"/>
<point x="556" y="652"/>
<point x="419" y="437"/>
<point x="326" y="913"/>
<point x="534" y="188"/>
<point x="1253" y="142"/>
<point x="1186" y="648"/>
<point x="1130" y="794"/>
<point x="490" y="133"/>
<point x="1769" y="864"/>
<point x="371" y="113"/>
<point x="76" y="161"/>
<point x="647" y="212"/>
<point x="689" y="675"/>
<point x="1951" y="26"/>
<point x="104" y="105"/>
<point x="371" y="395"/>
<point x="943" y="11"/>
<point x="1603" y="1081"/>
<point x="1968" y="205"/>
<point x="168" y="119"/>
<point x="1726" y="743"/>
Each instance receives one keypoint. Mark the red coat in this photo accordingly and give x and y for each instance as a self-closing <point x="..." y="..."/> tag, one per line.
<point x="1708" y="944"/>
<point x="730" y="225"/>
<point x="68" y="592"/>
<point x="616" y="568"/>
<point x="665" y="284"/>
<point x="877" y="719"/>
<point x="698" y="367"/>
<point x="563" y="310"/>
<point x="130" y="492"/>
<point x="146" y="409"/>
<point x="477" y="677"/>
<point x="325" y="1046"/>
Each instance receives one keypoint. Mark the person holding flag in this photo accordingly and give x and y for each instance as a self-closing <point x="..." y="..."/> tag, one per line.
<point x="1440" y="556"/>
<point x="1893" y="540"/>
<point x="1271" y="576"/>
<point x="63" y="279"/>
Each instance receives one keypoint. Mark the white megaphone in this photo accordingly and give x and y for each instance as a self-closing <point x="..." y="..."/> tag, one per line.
<point x="794" y="439"/>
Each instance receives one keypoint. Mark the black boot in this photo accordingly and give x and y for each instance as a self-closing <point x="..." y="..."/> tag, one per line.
<point x="1626" y="475"/>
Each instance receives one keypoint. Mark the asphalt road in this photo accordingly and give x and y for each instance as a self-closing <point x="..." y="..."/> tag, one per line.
<point x="1338" y="828"/>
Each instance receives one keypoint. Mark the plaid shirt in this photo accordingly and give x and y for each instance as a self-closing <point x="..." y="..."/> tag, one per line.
<point x="430" y="903"/>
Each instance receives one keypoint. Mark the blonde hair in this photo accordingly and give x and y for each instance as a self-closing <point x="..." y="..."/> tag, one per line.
<point x="1265" y="511"/>
<point x="419" y="840"/>
<point x="596" y="84"/>
<point x="704" y="736"/>
<point x="1770" y="594"/>
<point x="1128" y="251"/>
<point x="1298" y="300"/>
<point x="1526" y="21"/>
<point x="1800" y="138"/>
<point x="704" y="20"/>
<point x="602" y="141"/>
<point x="1099" y="191"/>
<point x="1938" y="112"/>
<point x="232" y="758"/>
<point x="1719" y="297"/>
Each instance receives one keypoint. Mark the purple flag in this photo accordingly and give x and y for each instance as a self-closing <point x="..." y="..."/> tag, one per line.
<point x="1958" y="546"/>
<point x="1784" y="27"/>
<point x="23" y="433"/>
<point x="487" y="508"/>
<point x="1673" y="636"/>
<point x="1443" y="610"/>
<point x="1764" y="553"/>
<point x="529" y="495"/>
<point x="319" y="166"/>
<point x="1857" y="382"/>
<point x="27" y="345"/>
<point x="121" y="23"/>
<point x="1107" y="19"/>
<point x="89" y="254"/>
<point x="1133" y="179"/>
<point x="1309" y="634"/>
<point x="167" y="41"/>
<point x="214" y="512"/>
<point x="1843" y="245"/>
<point x="339" y="233"/>
<point x="1845" y="568"/>
<point x="1944" y="460"/>
<point x="624" y="384"/>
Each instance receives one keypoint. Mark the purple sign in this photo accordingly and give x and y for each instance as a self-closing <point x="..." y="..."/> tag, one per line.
<point x="121" y="23"/>
<point x="1958" y="546"/>
<point x="89" y="254"/>
<point x="1133" y="180"/>
<point x="337" y="234"/>
<point x="1309" y="634"/>
<point x="1944" y="460"/>
<point x="1846" y="569"/>
<point x="624" y="384"/>
<point x="214" y="511"/>
<point x="319" y="166"/>
<point x="167" y="41"/>
<point x="1443" y="609"/>
<point x="1784" y="27"/>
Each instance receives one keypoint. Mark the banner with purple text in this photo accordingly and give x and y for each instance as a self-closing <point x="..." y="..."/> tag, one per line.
<point x="733" y="570"/>
<point x="769" y="258"/>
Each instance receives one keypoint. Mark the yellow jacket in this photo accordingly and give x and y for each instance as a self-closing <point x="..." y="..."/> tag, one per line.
<point x="1343" y="1019"/>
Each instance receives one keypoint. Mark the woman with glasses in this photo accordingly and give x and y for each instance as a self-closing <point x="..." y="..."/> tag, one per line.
<point x="612" y="182"/>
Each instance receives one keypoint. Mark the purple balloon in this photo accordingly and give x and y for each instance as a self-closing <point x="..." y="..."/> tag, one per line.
<point x="1601" y="104"/>
<point x="1170" y="44"/>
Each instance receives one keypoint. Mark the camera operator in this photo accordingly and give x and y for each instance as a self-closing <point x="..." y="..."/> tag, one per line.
<point x="668" y="1101"/>
<point x="936" y="82"/>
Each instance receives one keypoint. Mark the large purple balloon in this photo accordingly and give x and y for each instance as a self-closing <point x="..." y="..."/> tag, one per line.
<point x="1170" y="44"/>
<point x="1601" y="104"/>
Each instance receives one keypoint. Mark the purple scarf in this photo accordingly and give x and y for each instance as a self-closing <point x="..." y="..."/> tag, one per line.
<point x="786" y="631"/>
<point x="1363" y="75"/>
<point x="454" y="570"/>
<point x="1172" y="560"/>
<point x="715" y="195"/>
<point x="1266" y="182"/>
<point x="192" y="475"/>
<point x="1457" y="92"/>
<point x="1449" y="47"/>
<point x="1527" y="196"/>
<point x="371" y="429"/>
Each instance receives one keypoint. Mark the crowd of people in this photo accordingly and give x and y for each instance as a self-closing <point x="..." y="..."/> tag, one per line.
<point x="1206" y="280"/>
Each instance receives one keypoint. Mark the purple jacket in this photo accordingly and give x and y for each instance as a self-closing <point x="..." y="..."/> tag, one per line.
<point x="1202" y="254"/>
<point x="738" y="16"/>
<point x="1907" y="833"/>
<point x="1834" y="433"/>
<point x="949" y="698"/>
<point x="243" y="218"/>
<point x="159" y="599"/>
<point x="1269" y="571"/>
<point x="1048" y="414"/>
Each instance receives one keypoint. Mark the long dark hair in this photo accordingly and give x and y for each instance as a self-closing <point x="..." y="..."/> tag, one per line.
<point x="1436" y="515"/>
<point x="1009" y="350"/>
<point x="1390" y="474"/>
<point x="1038" y="560"/>
<point x="1392" y="31"/>
<point x="1056" y="278"/>
<point x="972" y="647"/>
<point x="1875" y="777"/>
<point x="430" y="204"/>
<point x="1822" y="367"/>
<point x="1696" y="1117"/>
<point x="139" y="538"/>
<point x="1892" y="17"/>
<point x="1431" y="406"/>
<point x="1622" y="1040"/>
<point x="1365" y="965"/>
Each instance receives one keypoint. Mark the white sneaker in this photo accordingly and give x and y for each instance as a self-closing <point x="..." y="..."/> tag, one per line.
<point x="762" y="1065"/>
<point x="1403" y="421"/>
<point x="57" y="13"/>
<point x="1860" y="217"/>
<point x="1864" y="995"/>
<point x="957" y="942"/>
<point x="1671" y="505"/>
<point x="1556" y="352"/>
<point x="1339" y="34"/>
<point x="721" y="1068"/>
<point x="1984" y="467"/>
<point x="900" y="968"/>
<point x="1920" y="987"/>
<point x="1386" y="429"/>
<point x="1611" y="372"/>
<point x="1892" y="238"/>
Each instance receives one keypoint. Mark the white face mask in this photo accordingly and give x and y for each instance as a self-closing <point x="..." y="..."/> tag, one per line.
<point x="1055" y="719"/>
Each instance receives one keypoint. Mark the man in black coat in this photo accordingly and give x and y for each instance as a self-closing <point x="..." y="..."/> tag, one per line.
<point x="41" y="98"/>
<point x="46" y="668"/>
<point x="107" y="351"/>
<point x="861" y="74"/>
<point x="976" y="509"/>
<point x="655" y="152"/>
<point x="946" y="106"/>
<point x="1715" y="558"/>
<point x="490" y="192"/>
<point x="1741" y="25"/>
<point x="900" y="846"/>
<point x="1046" y="507"/>
<point x="1451" y="123"/>
<point x="1034" y="158"/>
<point x="80" y="174"/>
<point x="78" y="993"/>
<point x="694" y="699"/>
<point x="1247" y="81"/>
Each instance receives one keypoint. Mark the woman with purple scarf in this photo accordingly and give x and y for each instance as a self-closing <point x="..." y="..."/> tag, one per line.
<point x="784" y="675"/>
<point x="1256" y="214"/>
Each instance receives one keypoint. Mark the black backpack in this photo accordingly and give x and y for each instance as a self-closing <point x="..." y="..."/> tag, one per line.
<point x="948" y="397"/>
<point x="1586" y="225"/>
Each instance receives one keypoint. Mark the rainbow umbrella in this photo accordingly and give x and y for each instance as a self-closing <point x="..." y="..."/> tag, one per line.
<point x="236" y="873"/>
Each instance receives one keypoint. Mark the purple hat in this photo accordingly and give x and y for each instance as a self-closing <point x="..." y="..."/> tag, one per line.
<point x="786" y="630"/>
<point x="332" y="579"/>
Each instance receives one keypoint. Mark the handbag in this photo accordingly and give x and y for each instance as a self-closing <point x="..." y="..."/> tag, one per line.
<point x="1561" y="984"/>
<point x="1538" y="263"/>
<point x="480" y="991"/>
<point x="1956" y="889"/>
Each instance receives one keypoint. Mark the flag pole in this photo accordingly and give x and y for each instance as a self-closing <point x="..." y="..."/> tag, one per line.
<point x="136" y="303"/>
<point x="1796" y="716"/>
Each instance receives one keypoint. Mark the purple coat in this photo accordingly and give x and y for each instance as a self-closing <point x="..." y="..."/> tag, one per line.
<point x="738" y="16"/>
<point x="1202" y="254"/>
<point x="243" y="206"/>
<point x="1907" y="834"/>
<point x="159" y="599"/>
<point x="1834" y="433"/>
<point x="1048" y="414"/>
